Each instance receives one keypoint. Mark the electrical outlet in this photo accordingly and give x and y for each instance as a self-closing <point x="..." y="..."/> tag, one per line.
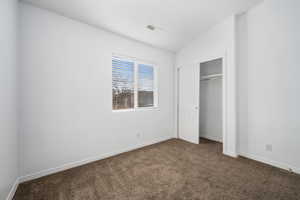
<point x="269" y="147"/>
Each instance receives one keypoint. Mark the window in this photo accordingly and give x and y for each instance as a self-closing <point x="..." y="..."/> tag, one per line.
<point x="145" y="86"/>
<point x="123" y="84"/>
<point x="133" y="84"/>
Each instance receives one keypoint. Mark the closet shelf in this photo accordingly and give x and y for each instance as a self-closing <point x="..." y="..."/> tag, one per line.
<point x="212" y="76"/>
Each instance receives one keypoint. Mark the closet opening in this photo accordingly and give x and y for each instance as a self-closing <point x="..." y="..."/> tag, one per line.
<point x="211" y="102"/>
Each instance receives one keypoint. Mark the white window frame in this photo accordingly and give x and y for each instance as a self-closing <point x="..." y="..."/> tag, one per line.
<point x="136" y="62"/>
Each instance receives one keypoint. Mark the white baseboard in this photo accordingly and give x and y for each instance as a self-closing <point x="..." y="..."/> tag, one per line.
<point x="13" y="190"/>
<point x="271" y="162"/>
<point x="230" y="154"/>
<point x="88" y="160"/>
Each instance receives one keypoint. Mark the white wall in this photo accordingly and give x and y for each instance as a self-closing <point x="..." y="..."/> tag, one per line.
<point x="66" y="93"/>
<point x="215" y="43"/>
<point x="8" y="105"/>
<point x="269" y="84"/>
<point x="268" y="94"/>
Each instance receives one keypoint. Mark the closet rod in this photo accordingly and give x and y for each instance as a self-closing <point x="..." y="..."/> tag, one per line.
<point x="211" y="77"/>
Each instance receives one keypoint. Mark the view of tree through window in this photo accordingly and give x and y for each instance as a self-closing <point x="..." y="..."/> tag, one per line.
<point x="122" y="84"/>
<point x="125" y="87"/>
<point x="145" y="86"/>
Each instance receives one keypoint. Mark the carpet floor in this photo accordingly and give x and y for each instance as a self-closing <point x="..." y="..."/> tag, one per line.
<point x="171" y="170"/>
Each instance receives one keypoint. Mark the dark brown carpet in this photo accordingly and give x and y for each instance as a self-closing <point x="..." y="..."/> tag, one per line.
<point x="172" y="170"/>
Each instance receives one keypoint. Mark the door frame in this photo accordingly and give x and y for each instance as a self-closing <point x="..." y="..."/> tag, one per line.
<point x="224" y="86"/>
<point x="228" y="111"/>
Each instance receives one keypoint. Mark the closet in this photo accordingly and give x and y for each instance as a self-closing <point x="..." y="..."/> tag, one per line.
<point x="210" y="112"/>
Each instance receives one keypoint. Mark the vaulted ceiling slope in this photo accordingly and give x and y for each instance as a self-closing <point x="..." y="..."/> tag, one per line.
<point x="177" y="22"/>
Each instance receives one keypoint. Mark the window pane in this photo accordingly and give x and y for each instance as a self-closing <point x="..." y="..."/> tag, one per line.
<point x="145" y="86"/>
<point x="122" y="84"/>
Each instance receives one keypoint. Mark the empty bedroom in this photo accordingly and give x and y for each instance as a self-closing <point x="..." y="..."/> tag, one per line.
<point x="149" y="100"/>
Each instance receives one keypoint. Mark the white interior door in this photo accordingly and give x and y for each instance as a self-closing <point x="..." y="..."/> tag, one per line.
<point x="189" y="81"/>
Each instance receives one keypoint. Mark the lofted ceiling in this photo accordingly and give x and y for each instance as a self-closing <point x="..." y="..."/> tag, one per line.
<point x="177" y="22"/>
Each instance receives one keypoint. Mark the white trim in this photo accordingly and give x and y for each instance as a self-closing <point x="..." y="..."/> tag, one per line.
<point x="135" y="85"/>
<point x="176" y="106"/>
<point x="271" y="162"/>
<point x="205" y="59"/>
<point x="231" y="154"/>
<point x="224" y="100"/>
<point x="155" y="89"/>
<point x="225" y="109"/>
<point x="137" y="109"/>
<point x="13" y="190"/>
<point x="88" y="160"/>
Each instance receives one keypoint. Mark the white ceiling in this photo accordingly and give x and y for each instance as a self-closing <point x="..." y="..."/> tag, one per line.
<point x="180" y="20"/>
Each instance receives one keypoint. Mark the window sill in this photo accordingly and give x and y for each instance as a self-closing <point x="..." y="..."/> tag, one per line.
<point x="136" y="110"/>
